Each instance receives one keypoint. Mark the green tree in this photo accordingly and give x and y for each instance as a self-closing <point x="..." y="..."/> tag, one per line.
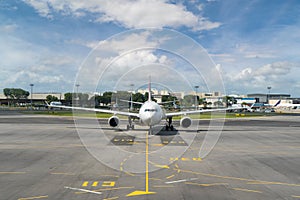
<point x="229" y="100"/>
<point x="202" y="101"/>
<point x="106" y="98"/>
<point x="51" y="98"/>
<point x="15" y="93"/>
<point x="189" y="100"/>
<point x="68" y="98"/>
<point x="171" y="101"/>
<point x="138" y="97"/>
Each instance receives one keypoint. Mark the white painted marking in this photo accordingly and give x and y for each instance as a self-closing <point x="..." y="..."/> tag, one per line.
<point x="180" y="181"/>
<point x="83" y="190"/>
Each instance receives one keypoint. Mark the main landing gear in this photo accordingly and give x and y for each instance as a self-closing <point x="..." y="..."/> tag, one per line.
<point x="150" y="132"/>
<point x="130" y="125"/>
<point x="169" y="126"/>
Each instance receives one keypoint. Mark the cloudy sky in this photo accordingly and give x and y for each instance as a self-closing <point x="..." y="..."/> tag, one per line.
<point x="254" y="44"/>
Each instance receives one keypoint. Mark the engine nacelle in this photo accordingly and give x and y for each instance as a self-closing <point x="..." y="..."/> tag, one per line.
<point x="185" y="122"/>
<point x="113" y="121"/>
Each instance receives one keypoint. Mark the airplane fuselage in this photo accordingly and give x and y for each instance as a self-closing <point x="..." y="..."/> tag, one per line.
<point x="151" y="113"/>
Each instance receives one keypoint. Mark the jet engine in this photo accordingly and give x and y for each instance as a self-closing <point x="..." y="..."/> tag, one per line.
<point x="185" y="122"/>
<point x="113" y="121"/>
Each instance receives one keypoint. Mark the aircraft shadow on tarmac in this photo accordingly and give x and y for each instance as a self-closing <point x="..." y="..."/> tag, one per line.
<point x="163" y="132"/>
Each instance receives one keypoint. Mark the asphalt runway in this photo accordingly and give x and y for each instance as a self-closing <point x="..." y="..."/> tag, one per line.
<point x="48" y="158"/>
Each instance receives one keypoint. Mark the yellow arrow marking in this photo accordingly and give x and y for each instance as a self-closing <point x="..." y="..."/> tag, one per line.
<point x="38" y="197"/>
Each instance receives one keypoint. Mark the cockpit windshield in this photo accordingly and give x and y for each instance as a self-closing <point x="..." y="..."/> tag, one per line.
<point x="150" y="110"/>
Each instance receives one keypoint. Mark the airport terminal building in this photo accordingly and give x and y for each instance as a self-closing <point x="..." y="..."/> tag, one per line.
<point x="36" y="98"/>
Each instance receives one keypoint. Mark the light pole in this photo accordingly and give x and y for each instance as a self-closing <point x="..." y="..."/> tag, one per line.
<point x="268" y="96"/>
<point x="31" y="91"/>
<point x="131" y="100"/>
<point x="196" y="99"/>
<point x="77" y="95"/>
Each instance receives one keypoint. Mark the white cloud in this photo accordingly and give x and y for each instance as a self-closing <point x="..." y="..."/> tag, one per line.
<point x="129" y="42"/>
<point x="279" y="68"/>
<point x="268" y="71"/>
<point x="89" y="44"/>
<point x="8" y="28"/>
<point x="42" y="7"/>
<point x="282" y="76"/>
<point x="25" y="76"/>
<point x="130" y="14"/>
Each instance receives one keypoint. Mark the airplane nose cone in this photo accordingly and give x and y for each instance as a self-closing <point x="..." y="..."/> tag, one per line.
<point x="147" y="119"/>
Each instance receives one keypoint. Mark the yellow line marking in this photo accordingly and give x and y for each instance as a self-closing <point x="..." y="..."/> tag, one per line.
<point x="108" y="184"/>
<point x="271" y="183"/>
<point x="38" y="197"/>
<point x="106" y="189"/>
<point x="197" y="159"/>
<point x="147" y="163"/>
<point x="160" y="166"/>
<point x="146" y="192"/>
<point x="295" y="196"/>
<point x="237" y="178"/>
<point x="176" y="166"/>
<point x="170" y="176"/>
<point x="246" y="190"/>
<point x="156" y="179"/>
<point x="95" y="184"/>
<point x="62" y="173"/>
<point x="85" y="184"/>
<point x="206" y="184"/>
<point x="111" y="198"/>
<point x="130" y="174"/>
<point x="12" y="172"/>
<point x="157" y="145"/>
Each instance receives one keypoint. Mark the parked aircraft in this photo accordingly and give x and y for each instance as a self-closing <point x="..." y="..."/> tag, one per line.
<point x="287" y="107"/>
<point x="150" y="114"/>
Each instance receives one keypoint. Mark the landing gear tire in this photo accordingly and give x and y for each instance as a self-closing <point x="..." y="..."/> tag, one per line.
<point x="172" y="128"/>
<point x="169" y="126"/>
<point x="130" y="127"/>
<point x="150" y="130"/>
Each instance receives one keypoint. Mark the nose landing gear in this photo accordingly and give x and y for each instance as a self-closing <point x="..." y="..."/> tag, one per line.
<point x="169" y="126"/>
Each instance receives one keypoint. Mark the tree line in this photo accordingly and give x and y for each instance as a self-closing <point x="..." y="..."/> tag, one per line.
<point x="14" y="95"/>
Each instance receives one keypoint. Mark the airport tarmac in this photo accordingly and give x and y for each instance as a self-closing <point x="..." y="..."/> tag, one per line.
<point x="45" y="158"/>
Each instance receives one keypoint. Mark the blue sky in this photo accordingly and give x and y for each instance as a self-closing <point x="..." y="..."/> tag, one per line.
<point x="254" y="44"/>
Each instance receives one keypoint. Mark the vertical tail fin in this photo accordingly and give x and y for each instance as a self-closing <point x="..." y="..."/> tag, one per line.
<point x="277" y="103"/>
<point x="149" y="89"/>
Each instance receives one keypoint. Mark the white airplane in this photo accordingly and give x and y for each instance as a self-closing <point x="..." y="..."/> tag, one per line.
<point x="150" y="114"/>
<point x="286" y="107"/>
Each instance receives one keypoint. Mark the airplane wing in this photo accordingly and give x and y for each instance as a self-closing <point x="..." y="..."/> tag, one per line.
<point x="114" y="112"/>
<point x="200" y="111"/>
